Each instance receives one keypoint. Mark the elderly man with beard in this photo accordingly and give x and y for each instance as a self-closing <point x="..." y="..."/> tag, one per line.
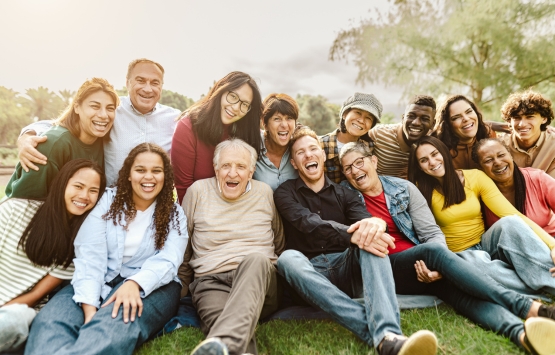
<point x="235" y="235"/>
<point x="331" y="242"/>
<point x="420" y="246"/>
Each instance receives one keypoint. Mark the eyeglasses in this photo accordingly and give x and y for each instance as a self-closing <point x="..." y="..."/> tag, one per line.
<point x="358" y="163"/>
<point x="233" y="98"/>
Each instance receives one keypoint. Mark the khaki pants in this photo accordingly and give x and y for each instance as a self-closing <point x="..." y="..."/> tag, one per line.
<point x="230" y="303"/>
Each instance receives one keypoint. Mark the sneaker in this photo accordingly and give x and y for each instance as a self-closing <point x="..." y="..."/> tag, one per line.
<point x="423" y="342"/>
<point x="211" y="346"/>
<point x="538" y="338"/>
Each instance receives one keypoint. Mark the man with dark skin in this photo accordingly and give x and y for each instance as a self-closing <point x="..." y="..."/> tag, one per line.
<point x="392" y="142"/>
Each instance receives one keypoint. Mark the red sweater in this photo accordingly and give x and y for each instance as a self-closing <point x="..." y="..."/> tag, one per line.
<point x="191" y="158"/>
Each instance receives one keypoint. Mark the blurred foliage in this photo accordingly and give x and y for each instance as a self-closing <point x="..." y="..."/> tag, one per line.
<point x="168" y="98"/>
<point x="317" y="113"/>
<point x="485" y="49"/>
<point x="14" y="115"/>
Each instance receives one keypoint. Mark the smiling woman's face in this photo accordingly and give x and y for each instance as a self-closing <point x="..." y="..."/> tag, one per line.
<point x="496" y="161"/>
<point x="430" y="160"/>
<point x="464" y="121"/>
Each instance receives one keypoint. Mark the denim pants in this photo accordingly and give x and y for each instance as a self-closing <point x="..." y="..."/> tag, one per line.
<point x="330" y="281"/>
<point x="58" y="328"/>
<point x="468" y="289"/>
<point x="520" y="260"/>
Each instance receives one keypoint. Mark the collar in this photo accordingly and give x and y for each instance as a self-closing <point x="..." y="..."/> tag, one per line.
<point x="299" y="183"/>
<point x="538" y="143"/>
<point x="141" y="114"/>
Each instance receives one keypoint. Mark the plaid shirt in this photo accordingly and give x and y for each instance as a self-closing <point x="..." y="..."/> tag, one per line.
<point x="333" y="170"/>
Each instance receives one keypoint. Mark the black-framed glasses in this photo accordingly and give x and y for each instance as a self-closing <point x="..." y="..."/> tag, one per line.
<point x="358" y="163"/>
<point x="233" y="98"/>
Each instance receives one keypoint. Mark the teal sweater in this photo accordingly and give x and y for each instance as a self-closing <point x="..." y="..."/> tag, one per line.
<point x="60" y="147"/>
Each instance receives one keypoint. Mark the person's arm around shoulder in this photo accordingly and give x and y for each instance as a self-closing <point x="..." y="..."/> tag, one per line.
<point x="183" y="156"/>
<point x="27" y="144"/>
<point x="423" y="220"/>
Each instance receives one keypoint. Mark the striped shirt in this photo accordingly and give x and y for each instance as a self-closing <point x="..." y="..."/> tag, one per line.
<point x="391" y="150"/>
<point x="17" y="274"/>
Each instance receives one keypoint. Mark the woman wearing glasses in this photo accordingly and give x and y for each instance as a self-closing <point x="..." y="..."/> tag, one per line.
<point x="232" y="108"/>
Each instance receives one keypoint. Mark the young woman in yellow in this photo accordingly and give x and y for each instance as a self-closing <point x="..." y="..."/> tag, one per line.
<point x="514" y="242"/>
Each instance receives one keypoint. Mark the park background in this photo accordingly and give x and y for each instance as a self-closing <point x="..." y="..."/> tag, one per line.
<point x="319" y="52"/>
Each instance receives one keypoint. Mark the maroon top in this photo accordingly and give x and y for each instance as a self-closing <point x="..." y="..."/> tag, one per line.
<point x="191" y="158"/>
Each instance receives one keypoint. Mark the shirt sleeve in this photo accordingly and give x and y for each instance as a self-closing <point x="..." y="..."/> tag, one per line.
<point x="39" y="127"/>
<point x="183" y="156"/>
<point x="161" y="268"/>
<point x="185" y="271"/>
<point x="277" y="228"/>
<point x="501" y="207"/>
<point x="305" y="221"/>
<point x="91" y="255"/>
<point x="548" y="185"/>
<point x="423" y="220"/>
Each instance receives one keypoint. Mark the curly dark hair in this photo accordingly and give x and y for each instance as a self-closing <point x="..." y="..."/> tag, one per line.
<point x="423" y="100"/>
<point x="526" y="103"/>
<point x="165" y="212"/>
<point x="443" y="129"/>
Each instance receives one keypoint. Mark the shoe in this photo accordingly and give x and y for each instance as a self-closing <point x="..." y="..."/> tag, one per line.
<point x="423" y="342"/>
<point x="547" y="312"/>
<point x="539" y="335"/>
<point x="211" y="346"/>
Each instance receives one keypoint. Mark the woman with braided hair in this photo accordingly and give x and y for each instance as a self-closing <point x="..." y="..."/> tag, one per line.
<point x="125" y="286"/>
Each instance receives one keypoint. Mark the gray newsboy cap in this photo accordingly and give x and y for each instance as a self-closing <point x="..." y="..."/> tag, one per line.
<point x="366" y="102"/>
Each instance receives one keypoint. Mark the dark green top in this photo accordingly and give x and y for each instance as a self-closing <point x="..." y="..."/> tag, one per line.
<point x="60" y="147"/>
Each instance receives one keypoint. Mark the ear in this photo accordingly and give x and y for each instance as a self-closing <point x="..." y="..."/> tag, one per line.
<point x="374" y="160"/>
<point x="294" y="165"/>
<point x="323" y="154"/>
<point x="544" y="119"/>
<point x="76" y="108"/>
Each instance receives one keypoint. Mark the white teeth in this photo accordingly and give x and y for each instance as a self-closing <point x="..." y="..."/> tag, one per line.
<point x="79" y="204"/>
<point x="283" y="134"/>
<point x="357" y="127"/>
<point x="360" y="177"/>
<point x="416" y="130"/>
<point x="229" y="113"/>
<point x="437" y="167"/>
<point x="103" y="124"/>
<point x="468" y="126"/>
<point x="500" y="171"/>
<point x="148" y="185"/>
<point x="315" y="164"/>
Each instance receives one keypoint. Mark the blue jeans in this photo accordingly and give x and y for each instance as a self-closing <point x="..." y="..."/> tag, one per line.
<point x="329" y="281"/>
<point x="58" y="328"/>
<point x="469" y="290"/>
<point x="520" y="260"/>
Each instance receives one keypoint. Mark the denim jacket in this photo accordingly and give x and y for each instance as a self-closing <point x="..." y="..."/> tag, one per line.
<point x="408" y="209"/>
<point x="99" y="255"/>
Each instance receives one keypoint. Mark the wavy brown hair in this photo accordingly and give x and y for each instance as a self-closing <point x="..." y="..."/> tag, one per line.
<point x="122" y="210"/>
<point x="526" y="103"/>
<point x="69" y="119"/>
<point x="444" y="130"/>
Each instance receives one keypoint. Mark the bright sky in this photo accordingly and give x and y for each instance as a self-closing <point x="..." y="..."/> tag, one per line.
<point x="284" y="44"/>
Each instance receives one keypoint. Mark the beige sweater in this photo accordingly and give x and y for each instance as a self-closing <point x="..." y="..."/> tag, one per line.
<point x="223" y="232"/>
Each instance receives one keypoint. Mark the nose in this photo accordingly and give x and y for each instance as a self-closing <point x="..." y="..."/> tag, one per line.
<point x="233" y="171"/>
<point x="102" y="113"/>
<point x="416" y="121"/>
<point x="83" y="194"/>
<point x="147" y="87"/>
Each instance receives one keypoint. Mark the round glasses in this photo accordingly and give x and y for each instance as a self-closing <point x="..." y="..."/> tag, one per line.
<point x="358" y="163"/>
<point x="233" y="98"/>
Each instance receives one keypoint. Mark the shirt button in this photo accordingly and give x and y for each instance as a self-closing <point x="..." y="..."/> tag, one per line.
<point x="318" y="212"/>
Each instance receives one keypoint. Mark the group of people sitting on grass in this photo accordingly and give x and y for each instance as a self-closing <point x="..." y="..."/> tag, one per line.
<point x="96" y="250"/>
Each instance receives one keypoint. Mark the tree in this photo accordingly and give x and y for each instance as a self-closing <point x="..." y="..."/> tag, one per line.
<point x="67" y="96"/>
<point x="485" y="49"/>
<point x="43" y="103"/>
<point x="13" y="115"/>
<point x="317" y="113"/>
<point x="169" y="98"/>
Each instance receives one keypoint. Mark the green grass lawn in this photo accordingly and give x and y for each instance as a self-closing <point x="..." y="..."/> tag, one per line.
<point x="456" y="335"/>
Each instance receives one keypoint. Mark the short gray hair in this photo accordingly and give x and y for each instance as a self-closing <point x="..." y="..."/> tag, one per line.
<point x="359" y="147"/>
<point x="234" y="143"/>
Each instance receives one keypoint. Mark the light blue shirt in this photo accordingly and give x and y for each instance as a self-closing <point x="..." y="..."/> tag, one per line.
<point x="130" y="129"/>
<point x="99" y="255"/>
<point x="267" y="172"/>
